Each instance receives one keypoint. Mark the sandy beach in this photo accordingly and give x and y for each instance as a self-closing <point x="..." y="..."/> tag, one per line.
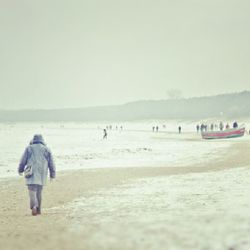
<point x="124" y="125"/>
<point x="63" y="226"/>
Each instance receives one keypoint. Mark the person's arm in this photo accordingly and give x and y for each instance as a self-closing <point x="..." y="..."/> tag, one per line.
<point x="51" y="165"/>
<point x="23" y="161"/>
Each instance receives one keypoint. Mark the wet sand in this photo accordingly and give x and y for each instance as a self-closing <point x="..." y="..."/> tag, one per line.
<point x="19" y="230"/>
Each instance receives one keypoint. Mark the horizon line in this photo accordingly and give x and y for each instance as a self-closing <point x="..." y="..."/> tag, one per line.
<point x="126" y="103"/>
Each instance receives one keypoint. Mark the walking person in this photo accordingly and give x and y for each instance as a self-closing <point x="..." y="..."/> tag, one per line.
<point x="197" y="128"/>
<point x="221" y="126"/>
<point x="202" y="127"/>
<point x="212" y="127"/>
<point x="105" y="134"/>
<point x="179" y="129"/>
<point x="35" y="163"/>
<point x="235" y="125"/>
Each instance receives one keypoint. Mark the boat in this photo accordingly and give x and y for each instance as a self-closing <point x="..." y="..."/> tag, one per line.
<point x="224" y="134"/>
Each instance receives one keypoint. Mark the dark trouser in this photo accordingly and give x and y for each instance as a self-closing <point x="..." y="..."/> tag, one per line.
<point x="35" y="193"/>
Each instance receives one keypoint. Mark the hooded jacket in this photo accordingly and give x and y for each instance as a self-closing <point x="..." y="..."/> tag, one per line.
<point x="38" y="155"/>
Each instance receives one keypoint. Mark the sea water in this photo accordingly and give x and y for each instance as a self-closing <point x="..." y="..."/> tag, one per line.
<point x="81" y="145"/>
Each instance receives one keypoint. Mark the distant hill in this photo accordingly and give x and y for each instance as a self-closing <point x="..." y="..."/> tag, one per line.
<point x="231" y="105"/>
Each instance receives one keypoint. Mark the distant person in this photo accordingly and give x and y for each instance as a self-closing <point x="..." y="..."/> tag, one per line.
<point x="212" y="127"/>
<point x="197" y="128"/>
<point x="227" y="126"/>
<point x="235" y="125"/>
<point x="157" y="128"/>
<point x="202" y="127"/>
<point x="179" y="129"/>
<point x="105" y="134"/>
<point x="221" y="126"/>
<point x="121" y="127"/>
<point x="35" y="163"/>
<point x="153" y="129"/>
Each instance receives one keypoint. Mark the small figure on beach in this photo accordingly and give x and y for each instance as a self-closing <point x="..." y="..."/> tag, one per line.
<point x="157" y="128"/>
<point x="179" y="129"/>
<point x="227" y="126"/>
<point x="153" y="128"/>
<point x="235" y="125"/>
<point x="212" y="127"/>
<point x="35" y="163"/>
<point x="221" y="126"/>
<point x="197" y="128"/>
<point x="105" y="134"/>
<point x="202" y="128"/>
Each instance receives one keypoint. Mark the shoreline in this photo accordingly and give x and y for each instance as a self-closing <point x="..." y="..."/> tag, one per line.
<point x="51" y="226"/>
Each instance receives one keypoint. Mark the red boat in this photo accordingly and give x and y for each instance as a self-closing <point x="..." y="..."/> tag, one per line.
<point x="224" y="134"/>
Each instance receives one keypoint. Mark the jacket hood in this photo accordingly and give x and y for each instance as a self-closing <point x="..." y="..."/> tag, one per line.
<point x="38" y="139"/>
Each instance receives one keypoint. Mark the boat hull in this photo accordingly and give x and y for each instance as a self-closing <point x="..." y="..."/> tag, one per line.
<point x="225" y="134"/>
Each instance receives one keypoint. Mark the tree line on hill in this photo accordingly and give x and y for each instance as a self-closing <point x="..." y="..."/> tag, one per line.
<point x="227" y="105"/>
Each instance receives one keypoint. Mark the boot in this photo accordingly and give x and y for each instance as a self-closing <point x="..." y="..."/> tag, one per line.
<point x="38" y="211"/>
<point x="34" y="211"/>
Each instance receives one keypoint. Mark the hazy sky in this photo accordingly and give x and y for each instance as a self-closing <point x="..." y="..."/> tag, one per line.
<point x="56" y="54"/>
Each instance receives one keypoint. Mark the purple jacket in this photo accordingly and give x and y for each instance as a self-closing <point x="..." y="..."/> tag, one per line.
<point x="40" y="158"/>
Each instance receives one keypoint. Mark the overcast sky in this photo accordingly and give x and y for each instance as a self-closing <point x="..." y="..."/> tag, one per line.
<point x="57" y="54"/>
